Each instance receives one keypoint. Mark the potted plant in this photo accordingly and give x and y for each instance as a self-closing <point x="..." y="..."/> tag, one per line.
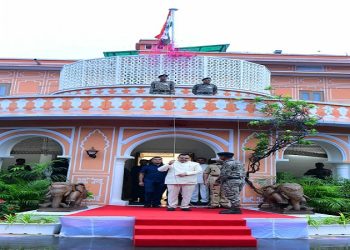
<point x="334" y="225"/>
<point x="29" y="224"/>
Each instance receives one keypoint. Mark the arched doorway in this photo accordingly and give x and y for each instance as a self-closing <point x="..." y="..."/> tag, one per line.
<point x="38" y="150"/>
<point x="297" y="159"/>
<point x="163" y="147"/>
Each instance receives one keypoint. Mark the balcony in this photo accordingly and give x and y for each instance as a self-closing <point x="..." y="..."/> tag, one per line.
<point x="105" y="106"/>
<point x="226" y="73"/>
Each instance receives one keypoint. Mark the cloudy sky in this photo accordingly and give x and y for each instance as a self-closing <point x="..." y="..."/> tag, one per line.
<point x="80" y="29"/>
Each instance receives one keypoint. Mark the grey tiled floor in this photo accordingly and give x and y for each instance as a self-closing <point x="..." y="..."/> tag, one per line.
<point x="53" y="243"/>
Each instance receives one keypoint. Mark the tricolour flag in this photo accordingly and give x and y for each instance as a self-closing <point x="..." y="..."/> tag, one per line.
<point x="164" y="35"/>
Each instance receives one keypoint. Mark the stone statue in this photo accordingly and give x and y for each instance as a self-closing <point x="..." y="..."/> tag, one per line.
<point x="77" y="195"/>
<point x="285" y="198"/>
<point x="63" y="196"/>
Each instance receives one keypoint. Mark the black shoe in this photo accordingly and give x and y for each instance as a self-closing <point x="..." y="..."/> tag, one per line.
<point x="156" y="206"/>
<point x="213" y="207"/>
<point x="194" y="203"/>
<point x="235" y="210"/>
<point x="170" y="209"/>
<point x="186" y="209"/>
<point x="146" y="206"/>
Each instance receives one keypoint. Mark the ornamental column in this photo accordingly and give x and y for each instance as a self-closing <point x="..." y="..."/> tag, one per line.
<point x="117" y="182"/>
<point x="2" y="158"/>
<point x="342" y="170"/>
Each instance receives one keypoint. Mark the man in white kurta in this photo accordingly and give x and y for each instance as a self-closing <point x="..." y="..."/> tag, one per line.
<point x="181" y="176"/>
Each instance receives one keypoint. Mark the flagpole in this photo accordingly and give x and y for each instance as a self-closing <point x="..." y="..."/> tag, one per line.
<point x="172" y="10"/>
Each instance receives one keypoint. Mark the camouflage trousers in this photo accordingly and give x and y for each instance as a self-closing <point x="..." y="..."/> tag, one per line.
<point x="217" y="198"/>
<point x="231" y="189"/>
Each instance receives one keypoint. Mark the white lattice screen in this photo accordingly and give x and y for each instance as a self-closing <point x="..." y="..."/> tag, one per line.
<point x="143" y="69"/>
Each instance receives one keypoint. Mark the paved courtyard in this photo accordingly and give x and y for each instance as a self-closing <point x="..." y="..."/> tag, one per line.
<point x="53" y="243"/>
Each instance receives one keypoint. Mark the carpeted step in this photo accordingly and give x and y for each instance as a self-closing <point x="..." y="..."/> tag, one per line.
<point x="189" y="222"/>
<point x="188" y="230"/>
<point x="194" y="241"/>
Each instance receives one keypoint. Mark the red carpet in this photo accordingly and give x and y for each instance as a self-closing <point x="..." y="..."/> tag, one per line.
<point x="200" y="227"/>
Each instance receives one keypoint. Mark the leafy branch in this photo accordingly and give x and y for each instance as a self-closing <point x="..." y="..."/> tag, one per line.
<point x="287" y="122"/>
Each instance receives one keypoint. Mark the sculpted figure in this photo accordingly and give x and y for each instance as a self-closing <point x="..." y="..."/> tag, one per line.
<point x="65" y="195"/>
<point x="79" y="192"/>
<point x="286" y="196"/>
<point x="58" y="191"/>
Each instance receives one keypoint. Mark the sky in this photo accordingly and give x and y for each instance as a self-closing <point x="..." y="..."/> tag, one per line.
<point x="83" y="29"/>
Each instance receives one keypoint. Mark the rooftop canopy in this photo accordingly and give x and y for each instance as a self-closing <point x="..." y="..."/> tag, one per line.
<point x="204" y="48"/>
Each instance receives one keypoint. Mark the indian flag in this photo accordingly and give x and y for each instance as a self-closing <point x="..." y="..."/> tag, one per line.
<point x="164" y="35"/>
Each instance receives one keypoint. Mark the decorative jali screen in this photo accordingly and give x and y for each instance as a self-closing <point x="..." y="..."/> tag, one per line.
<point x="183" y="70"/>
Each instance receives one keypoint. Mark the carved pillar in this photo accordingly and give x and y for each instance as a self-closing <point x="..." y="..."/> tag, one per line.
<point x="2" y="158"/>
<point x="342" y="170"/>
<point x="117" y="182"/>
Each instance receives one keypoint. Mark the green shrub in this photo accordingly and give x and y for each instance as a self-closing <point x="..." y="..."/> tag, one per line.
<point x="23" y="190"/>
<point x="330" y="196"/>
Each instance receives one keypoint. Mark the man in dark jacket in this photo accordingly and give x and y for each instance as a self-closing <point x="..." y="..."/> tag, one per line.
<point x="153" y="181"/>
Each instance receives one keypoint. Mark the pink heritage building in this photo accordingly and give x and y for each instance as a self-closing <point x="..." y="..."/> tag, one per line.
<point x="61" y="108"/>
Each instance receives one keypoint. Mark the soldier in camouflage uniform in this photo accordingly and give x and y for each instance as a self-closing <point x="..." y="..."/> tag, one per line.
<point x="162" y="87"/>
<point x="232" y="180"/>
<point x="205" y="88"/>
<point x="217" y="198"/>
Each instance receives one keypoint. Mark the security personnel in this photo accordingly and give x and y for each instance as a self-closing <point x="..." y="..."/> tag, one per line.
<point x="153" y="181"/>
<point x="205" y="88"/>
<point x="232" y="180"/>
<point x="162" y="87"/>
<point x="217" y="197"/>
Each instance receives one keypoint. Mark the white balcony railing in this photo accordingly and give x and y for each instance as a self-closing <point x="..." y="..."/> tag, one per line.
<point x="143" y="69"/>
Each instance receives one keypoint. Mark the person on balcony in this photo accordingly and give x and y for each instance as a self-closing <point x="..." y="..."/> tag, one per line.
<point x="162" y="87"/>
<point x="153" y="181"/>
<point x="205" y="88"/>
<point x="181" y="176"/>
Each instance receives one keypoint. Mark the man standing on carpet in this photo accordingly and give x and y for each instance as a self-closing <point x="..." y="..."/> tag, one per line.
<point x="232" y="180"/>
<point x="153" y="181"/>
<point x="137" y="191"/>
<point x="200" y="188"/>
<point x="217" y="197"/>
<point x="181" y="176"/>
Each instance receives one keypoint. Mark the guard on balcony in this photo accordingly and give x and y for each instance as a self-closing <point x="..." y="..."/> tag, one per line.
<point x="162" y="87"/>
<point x="205" y="88"/>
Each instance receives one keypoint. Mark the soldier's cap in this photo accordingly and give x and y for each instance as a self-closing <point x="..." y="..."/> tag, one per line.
<point x="206" y="78"/>
<point x="227" y="154"/>
<point x="162" y="75"/>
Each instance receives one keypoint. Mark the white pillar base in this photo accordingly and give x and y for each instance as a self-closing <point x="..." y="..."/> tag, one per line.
<point x="117" y="182"/>
<point x="119" y="202"/>
<point x="342" y="170"/>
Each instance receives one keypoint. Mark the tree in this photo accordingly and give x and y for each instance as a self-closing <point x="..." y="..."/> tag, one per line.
<point x="287" y="122"/>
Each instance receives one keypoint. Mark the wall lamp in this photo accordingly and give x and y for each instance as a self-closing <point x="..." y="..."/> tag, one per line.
<point x="92" y="152"/>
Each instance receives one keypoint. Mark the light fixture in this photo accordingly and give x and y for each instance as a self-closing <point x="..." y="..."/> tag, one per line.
<point x="36" y="61"/>
<point x="92" y="152"/>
